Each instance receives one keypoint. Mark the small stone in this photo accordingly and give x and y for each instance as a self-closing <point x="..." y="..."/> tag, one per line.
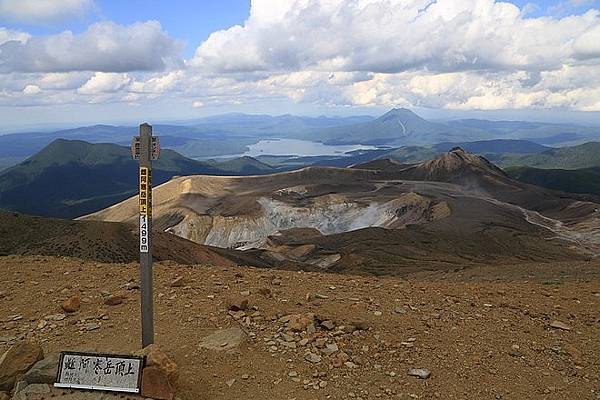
<point x="329" y="325"/>
<point x="132" y="286"/>
<point x="292" y="374"/>
<point x="323" y="384"/>
<point x="237" y="303"/>
<point x="301" y="322"/>
<point x="115" y="300"/>
<point x="72" y="304"/>
<point x="420" y="373"/>
<point x="245" y="293"/>
<point x="56" y="317"/>
<point x="91" y="326"/>
<point x="265" y="292"/>
<point x="230" y="382"/>
<point x="245" y="376"/>
<point x="233" y="337"/>
<point x="321" y="296"/>
<point x="179" y="281"/>
<point x="560" y="325"/>
<point x="340" y="359"/>
<point x="276" y="282"/>
<point x="378" y="313"/>
<point x="312" y="357"/>
<point x="400" y="310"/>
<point x="329" y="349"/>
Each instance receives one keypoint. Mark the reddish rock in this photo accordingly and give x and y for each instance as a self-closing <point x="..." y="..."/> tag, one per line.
<point x="340" y="359"/>
<point x="156" y="384"/>
<point x="72" y="304"/>
<point x="156" y="357"/>
<point x="301" y="322"/>
<point x="16" y="361"/>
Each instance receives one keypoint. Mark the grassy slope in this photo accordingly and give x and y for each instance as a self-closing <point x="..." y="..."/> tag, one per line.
<point x="72" y="178"/>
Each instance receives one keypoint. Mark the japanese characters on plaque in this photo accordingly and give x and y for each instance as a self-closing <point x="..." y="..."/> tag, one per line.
<point x="99" y="372"/>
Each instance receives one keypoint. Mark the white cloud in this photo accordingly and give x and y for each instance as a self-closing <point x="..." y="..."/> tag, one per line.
<point x="197" y="104"/>
<point x="40" y="11"/>
<point x="392" y="36"/>
<point x="31" y="90"/>
<point x="7" y="35"/>
<point x="103" y="82"/>
<point x="104" y="46"/>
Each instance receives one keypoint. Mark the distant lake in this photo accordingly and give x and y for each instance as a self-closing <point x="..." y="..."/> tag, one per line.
<point x="295" y="147"/>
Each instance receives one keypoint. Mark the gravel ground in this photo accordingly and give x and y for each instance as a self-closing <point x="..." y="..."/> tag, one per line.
<point x="493" y="332"/>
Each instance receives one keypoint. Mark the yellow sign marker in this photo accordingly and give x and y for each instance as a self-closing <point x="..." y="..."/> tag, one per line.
<point x="145" y="191"/>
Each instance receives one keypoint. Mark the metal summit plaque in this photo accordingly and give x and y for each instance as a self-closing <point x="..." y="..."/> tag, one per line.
<point x="99" y="372"/>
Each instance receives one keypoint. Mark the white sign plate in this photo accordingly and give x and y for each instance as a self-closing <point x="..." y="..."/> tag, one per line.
<point x="144" y="233"/>
<point x="99" y="372"/>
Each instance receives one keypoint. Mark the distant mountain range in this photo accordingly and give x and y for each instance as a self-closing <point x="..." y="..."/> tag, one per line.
<point x="69" y="178"/>
<point x="232" y="133"/>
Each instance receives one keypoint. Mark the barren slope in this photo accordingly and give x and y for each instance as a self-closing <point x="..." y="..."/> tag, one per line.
<point x="380" y="217"/>
<point x="483" y="333"/>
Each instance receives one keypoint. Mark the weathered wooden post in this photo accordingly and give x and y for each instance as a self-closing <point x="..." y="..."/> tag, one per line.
<point x="146" y="148"/>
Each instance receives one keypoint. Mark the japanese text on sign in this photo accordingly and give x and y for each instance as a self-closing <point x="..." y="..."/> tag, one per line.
<point x="145" y="191"/>
<point x="99" y="372"/>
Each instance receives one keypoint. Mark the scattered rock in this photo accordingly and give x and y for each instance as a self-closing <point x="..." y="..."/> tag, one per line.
<point x="560" y="325"/>
<point x="16" y="361"/>
<point x="56" y="317"/>
<point x="420" y="373"/>
<point x="301" y="322"/>
<point x="340" y="359"/>
<point x="237" y="303"/>
<point x="179" y="281"/>
<point x="115" y="300"/>
<point x="312" y="357"/>
<point x="132" y="286"/>
<point x="32" y="391"/>
<point x="329" y="325"/>
<point x="72" y="304"/>
<point x="44" y="371"/>
<point x="231" y="337"/>
<point x="91" y="326"/>
<point x="330" y="348"/>
<point x="156" y="384"/>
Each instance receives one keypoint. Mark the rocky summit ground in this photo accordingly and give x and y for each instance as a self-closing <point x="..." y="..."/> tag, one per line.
<point x="501" y="332"/>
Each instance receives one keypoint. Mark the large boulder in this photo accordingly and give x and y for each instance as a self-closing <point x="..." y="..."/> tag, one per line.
<point x="44" y="371"/>
<point x="16" y="361"/>
<point x="159" y="377"/>
<point x="155" y="356"/>
<point x="156" y="384"/>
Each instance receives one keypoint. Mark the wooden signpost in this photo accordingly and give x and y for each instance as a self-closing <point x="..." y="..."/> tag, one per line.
<point x="146" y="148"/>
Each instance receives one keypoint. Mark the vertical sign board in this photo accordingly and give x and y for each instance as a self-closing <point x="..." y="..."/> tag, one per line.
<point x="146" y="148"/>
<point x="145" y="207"/>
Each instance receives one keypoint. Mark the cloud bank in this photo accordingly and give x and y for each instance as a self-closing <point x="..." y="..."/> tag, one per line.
<point x="453" y="54"/>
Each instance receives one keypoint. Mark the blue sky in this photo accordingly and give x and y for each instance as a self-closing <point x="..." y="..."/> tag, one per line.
<point x="88" y="61"/>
